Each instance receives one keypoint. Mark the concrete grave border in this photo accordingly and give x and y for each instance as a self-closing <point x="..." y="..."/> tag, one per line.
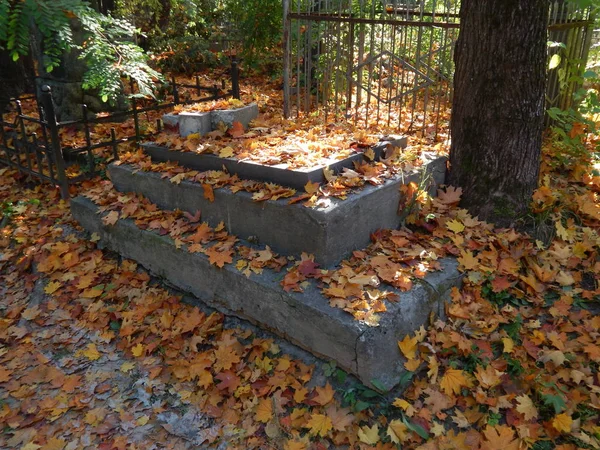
<point x="307" y="319"/>
<point x="329" y="233"/>
<point x="279" y="174"/>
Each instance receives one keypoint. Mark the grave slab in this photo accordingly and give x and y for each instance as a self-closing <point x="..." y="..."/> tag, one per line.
<point x="279" y="174"/>
<point x="330" y="233"/>
<point x="306" y="319"/>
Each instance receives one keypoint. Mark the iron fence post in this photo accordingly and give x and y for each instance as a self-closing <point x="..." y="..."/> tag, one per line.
<point x="51" y="123"/>
<point x="235" y="78"/>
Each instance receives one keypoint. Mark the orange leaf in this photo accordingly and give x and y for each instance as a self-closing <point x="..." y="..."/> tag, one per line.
<point x="264" y="410"/>
<point x="237" y="129"/>
<point x="325" y="394"/>
<point x="218" y="258"/>
<point x="408" y="346"/>
<point x="319" y="424"/>
<point x="208" y="192"/>
<point x="453" y="380"/>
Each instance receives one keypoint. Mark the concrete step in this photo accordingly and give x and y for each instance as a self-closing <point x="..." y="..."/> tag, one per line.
<point x="306" y="319"/>
<point x="330" y="233"/>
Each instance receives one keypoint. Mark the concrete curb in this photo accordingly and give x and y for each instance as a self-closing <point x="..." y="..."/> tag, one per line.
<point x="370" y="353"/>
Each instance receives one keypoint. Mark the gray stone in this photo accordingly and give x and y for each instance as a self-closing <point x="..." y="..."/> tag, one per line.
<point x="244" y="115"/>
<point x="171" y="120"/>
<point x="307" y="319"/>
<point x="194" y="122"/>
<point x="329" y="233"/>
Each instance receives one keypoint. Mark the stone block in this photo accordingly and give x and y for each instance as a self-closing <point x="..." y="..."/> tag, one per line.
<point x="244" y="115"/>
<point x="306" y="319"/>
<point x="194" y="122"/>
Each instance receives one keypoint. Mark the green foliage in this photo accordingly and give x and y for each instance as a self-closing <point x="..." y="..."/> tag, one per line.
<point x="106" y="48"/>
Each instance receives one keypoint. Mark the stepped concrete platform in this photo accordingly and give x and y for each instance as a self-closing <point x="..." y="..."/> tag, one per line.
<point x="306" y="319"/>
<point x="279" y="174"/>
<point x="329" y="233"/>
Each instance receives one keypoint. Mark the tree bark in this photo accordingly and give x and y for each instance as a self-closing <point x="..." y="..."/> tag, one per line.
<point x="498" y="106"/>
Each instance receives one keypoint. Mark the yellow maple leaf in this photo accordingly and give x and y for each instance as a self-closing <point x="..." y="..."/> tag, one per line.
<point x="318" y="424"/>
<point x="408" y="346"/>
<point x="52" y="287"/>
<point x="54" y="444"/>
<point x="127" y="367"/>
<point x="311" y="188"/>
<point x="453" y="380"/>
<point x="562" y="423"/>
<point x="526" y="407"/>
<point x="397" y="431"/>
<point x="264" y="410"/>
<point x="91" y="352"/>
<point x="137" y="350"/>
<point x="401" y="403"/>
<point x="294" y="445"/>
<point x="455" y="225"/>
<point x="467" y="260"/>
<point x="369" y="435"/>
<point x="143" y="420"/>
<point x="509" y="344"/>
<point x="226" y="152"/>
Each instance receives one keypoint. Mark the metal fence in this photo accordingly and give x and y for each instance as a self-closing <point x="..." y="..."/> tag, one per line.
<point x="34" y="145"/>
<point x="391" y="62"/>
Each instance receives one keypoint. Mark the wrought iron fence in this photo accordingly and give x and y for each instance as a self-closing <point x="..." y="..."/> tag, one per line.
<point x="392" y="61"/>
<point x="34" y="145"/>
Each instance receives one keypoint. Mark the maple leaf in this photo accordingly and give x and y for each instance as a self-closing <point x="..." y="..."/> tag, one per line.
<point x="526" y="407"/>
<point x="226" y="152"/>
<point x="208" y="192"/>
<point x="137" y="350"/>
<point x="325" y="394"/>
<point x="397" y="431"/>
<point x="91" y="352"/>
<point x="562" y="423"/>
<point x="52" y="287"/>
<point x="467" y="260"/>
<point x="453" y="380"/>
<point x="319" y="425"/>
<point x="369" y="435"/>
<point x="177" y="179"/>
<point x="264" y="410"/>
<point x="237" y="129"/>
<point x="450" y="195"/>
<point x="341" y="418"/>
<point x="408" y="346"/>
<point x="500" y="437"/>
<point x="218" y="258"/>
<point x="111" y="218"/>
<point x="488" y="377"/>
<point x="455" y="225"/>
<point x="311" y="188"/>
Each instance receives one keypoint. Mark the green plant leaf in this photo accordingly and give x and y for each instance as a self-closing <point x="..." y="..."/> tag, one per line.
<point x="554" y="61"/>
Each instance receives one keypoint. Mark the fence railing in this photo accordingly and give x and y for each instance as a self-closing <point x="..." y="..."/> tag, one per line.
<point x="35" y="145"/>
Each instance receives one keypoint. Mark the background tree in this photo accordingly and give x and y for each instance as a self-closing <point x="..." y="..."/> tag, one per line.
<point x="498" y="106"/>
<point x="52" y="29"/>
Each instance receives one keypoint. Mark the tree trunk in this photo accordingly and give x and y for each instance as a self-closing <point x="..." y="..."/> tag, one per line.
<point x="498" y="106"/>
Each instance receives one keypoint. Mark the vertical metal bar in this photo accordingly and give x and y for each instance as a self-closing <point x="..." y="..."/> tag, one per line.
<point x="23" y="143"/>
<point x="235" y="78"/>
<point x="136" y="121"/>
<point x="113" y="140"/>
<point x="88" y="138"/>
<point x="286" y="58"/>
<point x="350" y="64"/>
<point x="57" y="153"/>
<point x="175" y="91"/>
<point x="38" y="156"/>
